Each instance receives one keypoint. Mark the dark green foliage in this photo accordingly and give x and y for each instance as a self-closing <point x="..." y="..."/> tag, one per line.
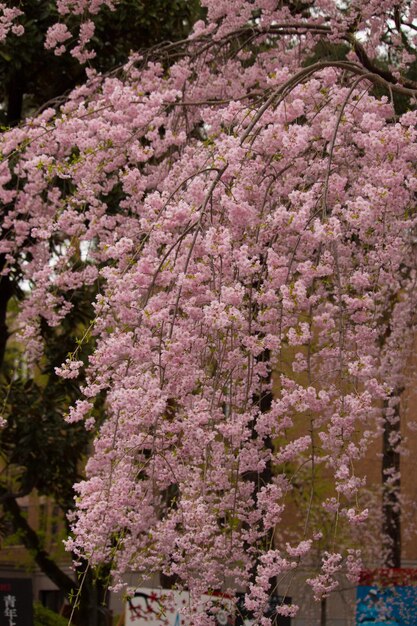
<point x="45" y="617"/>
<point x="31" y="75"/>
<point x="328" y="51"/>
<point x="138" y="25"/>
<point x="41" y="450"/>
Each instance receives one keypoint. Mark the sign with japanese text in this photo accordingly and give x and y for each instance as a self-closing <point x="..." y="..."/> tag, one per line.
<point x="16" y="600"/>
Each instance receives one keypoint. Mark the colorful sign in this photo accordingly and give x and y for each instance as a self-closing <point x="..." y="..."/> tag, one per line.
<point x="384" y="601"/>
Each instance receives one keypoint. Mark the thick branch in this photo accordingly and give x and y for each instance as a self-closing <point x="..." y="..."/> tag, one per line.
<point x="391" y="489"/>
<point x="32" y="543"/>
<point x="371" y="67"/>
<point x="6" y="291"/>
<point x="286" y="88"/>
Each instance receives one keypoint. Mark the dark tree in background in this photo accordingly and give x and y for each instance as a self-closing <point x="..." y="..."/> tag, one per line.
<point x="31" y="75"/>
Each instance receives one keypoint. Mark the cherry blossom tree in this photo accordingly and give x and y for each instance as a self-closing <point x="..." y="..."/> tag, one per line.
<point x="248" y="213"/>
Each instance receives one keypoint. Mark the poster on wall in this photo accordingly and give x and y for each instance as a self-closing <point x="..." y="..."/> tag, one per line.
<point x="16" y="600"/>
<point x="392" y="606"/>
<point x="165" y="607"/>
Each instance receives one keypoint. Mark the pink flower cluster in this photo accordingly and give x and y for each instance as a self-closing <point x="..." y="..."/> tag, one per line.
<point x="8" y="17"/>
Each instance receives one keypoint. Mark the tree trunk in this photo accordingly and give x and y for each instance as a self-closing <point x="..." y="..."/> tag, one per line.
<point x="89" y="605"/>
<point x="323" y="612"/>
<point x="6" y="292"/>
<point x="264" y="402"/>
<point x="16" y="89"/>
<point x="32" y="543"/>
<point x="391" y="485"/>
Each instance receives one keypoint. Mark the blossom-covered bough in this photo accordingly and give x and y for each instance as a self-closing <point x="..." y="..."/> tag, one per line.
<point x="248" y="215"/>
